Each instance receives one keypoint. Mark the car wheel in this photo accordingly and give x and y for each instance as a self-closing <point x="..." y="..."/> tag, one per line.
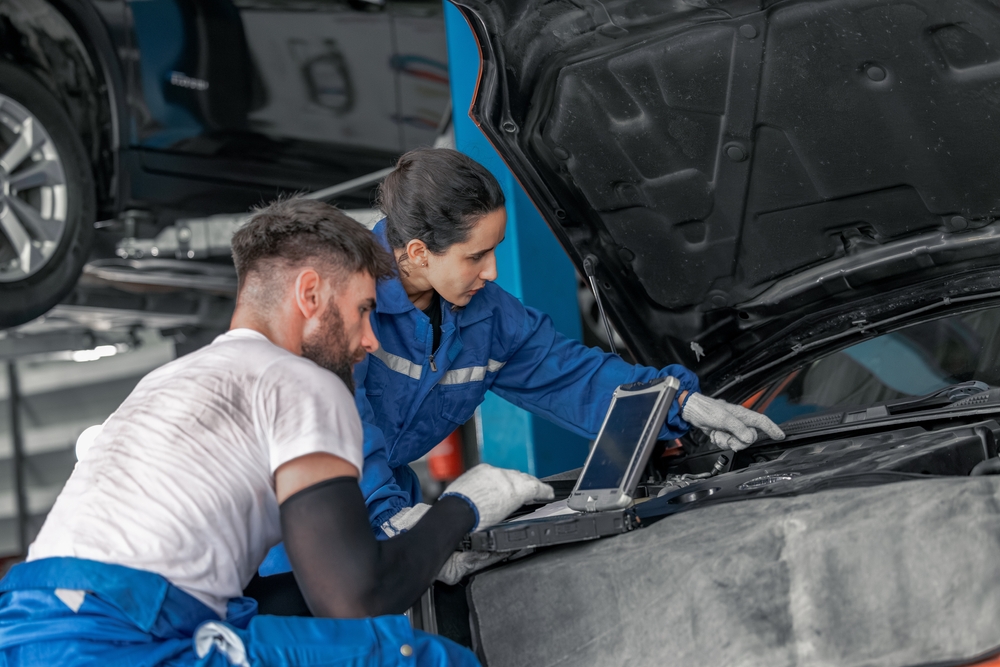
<point x="47" y="203"/>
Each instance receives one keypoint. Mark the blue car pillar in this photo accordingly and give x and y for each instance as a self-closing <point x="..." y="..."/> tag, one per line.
<point x="531" y="265"/>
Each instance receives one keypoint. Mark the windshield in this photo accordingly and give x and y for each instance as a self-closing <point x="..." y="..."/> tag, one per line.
<point x="913" y="361"/>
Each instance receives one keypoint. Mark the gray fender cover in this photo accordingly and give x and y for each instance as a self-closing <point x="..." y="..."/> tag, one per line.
<point x="890" y="576"/>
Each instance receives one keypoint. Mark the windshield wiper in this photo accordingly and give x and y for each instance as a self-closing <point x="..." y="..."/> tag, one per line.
<point x="940" y="398"/>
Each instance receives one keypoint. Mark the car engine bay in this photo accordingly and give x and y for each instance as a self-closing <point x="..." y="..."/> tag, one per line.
<point x="848" y="531"/>
<point x="864" y="459"/>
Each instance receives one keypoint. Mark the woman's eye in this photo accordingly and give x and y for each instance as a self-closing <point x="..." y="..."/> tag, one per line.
<point x="476" y="258"/>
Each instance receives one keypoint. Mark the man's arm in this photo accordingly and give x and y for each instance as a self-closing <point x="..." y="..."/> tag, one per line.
<point x="305" y="471"/>
<point x="343" y="571"/>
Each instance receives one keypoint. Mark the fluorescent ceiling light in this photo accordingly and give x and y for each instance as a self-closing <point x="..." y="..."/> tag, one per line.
<point x="93" y="355"/>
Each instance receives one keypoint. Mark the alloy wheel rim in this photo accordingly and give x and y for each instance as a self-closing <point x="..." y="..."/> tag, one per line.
<point x="33" y="193"/>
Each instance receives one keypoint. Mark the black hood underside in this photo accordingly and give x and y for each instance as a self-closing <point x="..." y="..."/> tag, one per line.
<point x="709" y="154"/>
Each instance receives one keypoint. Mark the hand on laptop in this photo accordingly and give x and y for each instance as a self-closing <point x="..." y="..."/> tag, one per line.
<point x="463" y="563"/>
<point x="459" y="564"/>
<point x="730" y="426"/>
<point x="493" y="494"/>
<point x="496" y="492"/>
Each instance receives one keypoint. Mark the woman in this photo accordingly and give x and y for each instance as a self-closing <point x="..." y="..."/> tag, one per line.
<point x="448" y="334"/>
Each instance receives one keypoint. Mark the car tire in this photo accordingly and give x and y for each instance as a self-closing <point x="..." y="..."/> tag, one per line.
<point x="47" y="199"/>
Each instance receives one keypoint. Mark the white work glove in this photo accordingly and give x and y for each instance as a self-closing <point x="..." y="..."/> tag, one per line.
<point x="404" y="519"/>
<point x="463" y="563"/>
<point x="730" y="426"/>
<point x="496" y="492"/>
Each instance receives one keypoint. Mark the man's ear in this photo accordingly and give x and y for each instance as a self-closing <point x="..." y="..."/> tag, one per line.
<point x="308" y="297"/>
<point x="416" y="252"/>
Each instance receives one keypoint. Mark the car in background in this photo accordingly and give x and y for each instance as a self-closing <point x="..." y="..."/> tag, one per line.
<point x="134" y="114"/>
<point x="799" y="200"/>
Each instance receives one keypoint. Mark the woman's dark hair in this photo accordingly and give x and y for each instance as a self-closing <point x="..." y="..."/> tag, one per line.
<point x="436" y="195"/>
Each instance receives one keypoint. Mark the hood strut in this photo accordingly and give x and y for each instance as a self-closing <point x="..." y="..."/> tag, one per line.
<point x="588" y="266"/>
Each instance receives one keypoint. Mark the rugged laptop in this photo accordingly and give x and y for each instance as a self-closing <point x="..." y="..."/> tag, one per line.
<point x="600" y="503"/>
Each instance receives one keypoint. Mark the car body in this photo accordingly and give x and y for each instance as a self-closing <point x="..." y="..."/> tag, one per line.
<point x="798" y="200"/>
<point x="146" y="112"/>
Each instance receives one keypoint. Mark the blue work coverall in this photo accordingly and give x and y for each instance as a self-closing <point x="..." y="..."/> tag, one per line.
<point x="122" y="617"/>
<point x="411" y="397"/>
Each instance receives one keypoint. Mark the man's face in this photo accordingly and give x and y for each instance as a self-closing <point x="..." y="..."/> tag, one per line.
<point x="343" y="334"/>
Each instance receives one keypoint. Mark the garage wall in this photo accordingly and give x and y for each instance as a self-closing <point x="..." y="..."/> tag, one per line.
<point x="59" y="398"/>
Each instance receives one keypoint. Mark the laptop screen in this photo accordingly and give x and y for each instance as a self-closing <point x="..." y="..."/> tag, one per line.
<point x="618" y="442"/>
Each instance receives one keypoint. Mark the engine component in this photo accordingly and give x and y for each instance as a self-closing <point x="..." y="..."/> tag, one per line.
<point x="862" y="460"/>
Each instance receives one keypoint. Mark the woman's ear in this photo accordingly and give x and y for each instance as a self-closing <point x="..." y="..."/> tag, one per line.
<point x="416" y="253"/>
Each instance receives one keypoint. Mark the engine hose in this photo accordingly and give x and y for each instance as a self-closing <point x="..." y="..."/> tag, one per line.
<point x="987" y="467"/>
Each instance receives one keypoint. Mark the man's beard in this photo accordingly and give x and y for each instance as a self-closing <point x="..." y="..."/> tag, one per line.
<point x="328" y="347"/>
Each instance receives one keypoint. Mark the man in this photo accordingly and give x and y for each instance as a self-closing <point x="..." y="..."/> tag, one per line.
<point x="215" y="457"/>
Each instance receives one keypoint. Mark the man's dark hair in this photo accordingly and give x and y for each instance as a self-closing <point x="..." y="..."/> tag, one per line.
<point x="291" y="232"/>
<point x="436" y="195"/>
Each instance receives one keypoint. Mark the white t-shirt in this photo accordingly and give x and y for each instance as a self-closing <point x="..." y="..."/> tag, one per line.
<point x="180" y="481"/>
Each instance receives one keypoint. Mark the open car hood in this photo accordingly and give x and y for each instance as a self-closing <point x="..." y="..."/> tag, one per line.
<point x="734" y="166"/>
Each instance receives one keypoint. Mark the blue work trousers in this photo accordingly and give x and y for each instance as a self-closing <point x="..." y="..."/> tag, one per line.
<point x="73" y="612"/>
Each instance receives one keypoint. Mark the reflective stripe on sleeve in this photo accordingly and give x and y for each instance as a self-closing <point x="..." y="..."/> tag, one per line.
<point x="471" y="374"/>
<point x="399" y="364"/>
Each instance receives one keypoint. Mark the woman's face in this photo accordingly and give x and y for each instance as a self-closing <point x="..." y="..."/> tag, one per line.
<point x="464" y="268"/>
